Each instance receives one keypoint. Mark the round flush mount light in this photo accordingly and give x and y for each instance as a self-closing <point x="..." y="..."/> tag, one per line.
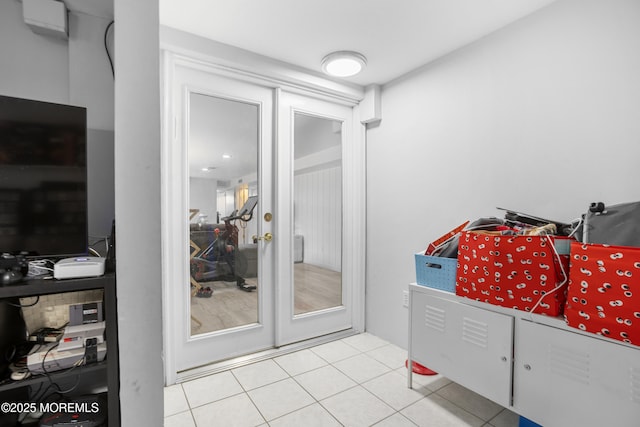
<point x="343" y="63"/>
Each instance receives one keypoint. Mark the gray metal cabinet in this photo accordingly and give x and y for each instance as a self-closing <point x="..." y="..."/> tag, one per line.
<point x="473" y="346"/>
<point x="534" y="365"/>
<point x="564" y="378"/>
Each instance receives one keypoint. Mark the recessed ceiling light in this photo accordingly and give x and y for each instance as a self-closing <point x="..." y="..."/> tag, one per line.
<point x="208" y="169"/>
<point x="226" y="156"/>
<point x="343" y="63"/>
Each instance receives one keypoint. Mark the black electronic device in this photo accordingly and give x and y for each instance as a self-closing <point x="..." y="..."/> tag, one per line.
<point x="13" y="262"/>
<point x="12" y="269"/>
<point x="9" y="277"/>
<point x="91" y="351"/>
<point x="43" y="178"/>
<point x="13" y="333"/>
<point x="84" y="411"/>
<point x="110" y="261"/>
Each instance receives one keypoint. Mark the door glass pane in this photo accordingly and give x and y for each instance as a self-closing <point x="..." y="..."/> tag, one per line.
<point x="223" y="171"/>
<point x="317" y="213"/>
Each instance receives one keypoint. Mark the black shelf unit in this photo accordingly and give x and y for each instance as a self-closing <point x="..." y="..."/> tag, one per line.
<point x="110" y="366"/>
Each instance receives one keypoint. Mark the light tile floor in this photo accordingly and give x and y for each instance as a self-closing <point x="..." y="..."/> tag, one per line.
<point x="357" y="381"/>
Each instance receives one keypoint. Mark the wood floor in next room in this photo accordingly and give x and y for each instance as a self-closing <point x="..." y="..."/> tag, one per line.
<point x="316" y="288"/>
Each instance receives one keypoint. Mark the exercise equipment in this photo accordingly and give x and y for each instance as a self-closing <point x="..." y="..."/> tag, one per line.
<point x="221" y="259"/>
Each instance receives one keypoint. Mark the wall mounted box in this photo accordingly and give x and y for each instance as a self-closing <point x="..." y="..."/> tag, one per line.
<point x="46" y="17"/>
<point x="370" y="106"/>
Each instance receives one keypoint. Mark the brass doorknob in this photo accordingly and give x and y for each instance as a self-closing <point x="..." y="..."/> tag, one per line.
<point x="267" y="237"/>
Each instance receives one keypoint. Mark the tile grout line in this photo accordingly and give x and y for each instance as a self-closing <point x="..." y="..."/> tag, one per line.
<point x="357" y="383"/>
<point x="461" y="408"/>
<point x="280" y="365"/>
<point x="361" y="384"/>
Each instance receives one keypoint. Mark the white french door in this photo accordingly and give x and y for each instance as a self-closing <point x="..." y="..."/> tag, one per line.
<point x="290" y="267"/>
<point x="315" y="155"/>
<point x="218" y="155"/>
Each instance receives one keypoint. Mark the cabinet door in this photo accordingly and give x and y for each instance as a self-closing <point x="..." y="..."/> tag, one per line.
<point x="563" y="378"/>
<point x="468" y="345"/>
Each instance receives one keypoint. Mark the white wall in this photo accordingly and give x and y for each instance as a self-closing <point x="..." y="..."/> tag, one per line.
<point x="203" y="196"/>
<point x="138" y="219"/>
<point x="91" y="79"/>
<point x="542" y="117"/>
<point x="32" y="66"/>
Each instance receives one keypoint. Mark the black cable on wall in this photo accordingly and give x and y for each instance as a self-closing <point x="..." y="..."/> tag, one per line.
<point x="106" y="47"/>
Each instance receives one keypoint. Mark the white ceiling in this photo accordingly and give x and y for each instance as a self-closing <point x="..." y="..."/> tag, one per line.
<point x="396" y="36"/>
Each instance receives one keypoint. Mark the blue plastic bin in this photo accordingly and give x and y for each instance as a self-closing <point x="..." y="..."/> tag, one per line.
<point x="436" y="272"/>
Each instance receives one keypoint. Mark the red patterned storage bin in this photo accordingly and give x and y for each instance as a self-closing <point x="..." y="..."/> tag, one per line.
<point x="512" y="271"/>
<point x="604" y="291"/>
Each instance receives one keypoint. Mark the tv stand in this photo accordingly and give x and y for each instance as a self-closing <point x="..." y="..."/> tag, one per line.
<point x="103" y="375"/>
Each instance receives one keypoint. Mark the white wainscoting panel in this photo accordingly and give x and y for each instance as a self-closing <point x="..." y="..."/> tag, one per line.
<point x="318" y="216"/>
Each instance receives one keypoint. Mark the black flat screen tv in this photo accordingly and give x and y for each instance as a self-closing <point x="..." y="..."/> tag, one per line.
<point x="43" y="178"/>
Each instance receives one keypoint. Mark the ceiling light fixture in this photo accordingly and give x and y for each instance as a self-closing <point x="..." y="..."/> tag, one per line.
<point x="226" y="156"/>
<point x="343" y="63"/>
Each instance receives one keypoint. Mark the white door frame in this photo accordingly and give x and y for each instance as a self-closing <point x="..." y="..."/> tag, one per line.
<point x="356" y="204"/>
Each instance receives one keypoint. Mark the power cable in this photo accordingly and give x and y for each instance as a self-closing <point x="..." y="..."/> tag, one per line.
<point x="106" y="47"/>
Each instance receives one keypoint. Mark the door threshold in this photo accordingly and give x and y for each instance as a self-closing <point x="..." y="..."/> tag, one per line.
<point x="236" y="362"/>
